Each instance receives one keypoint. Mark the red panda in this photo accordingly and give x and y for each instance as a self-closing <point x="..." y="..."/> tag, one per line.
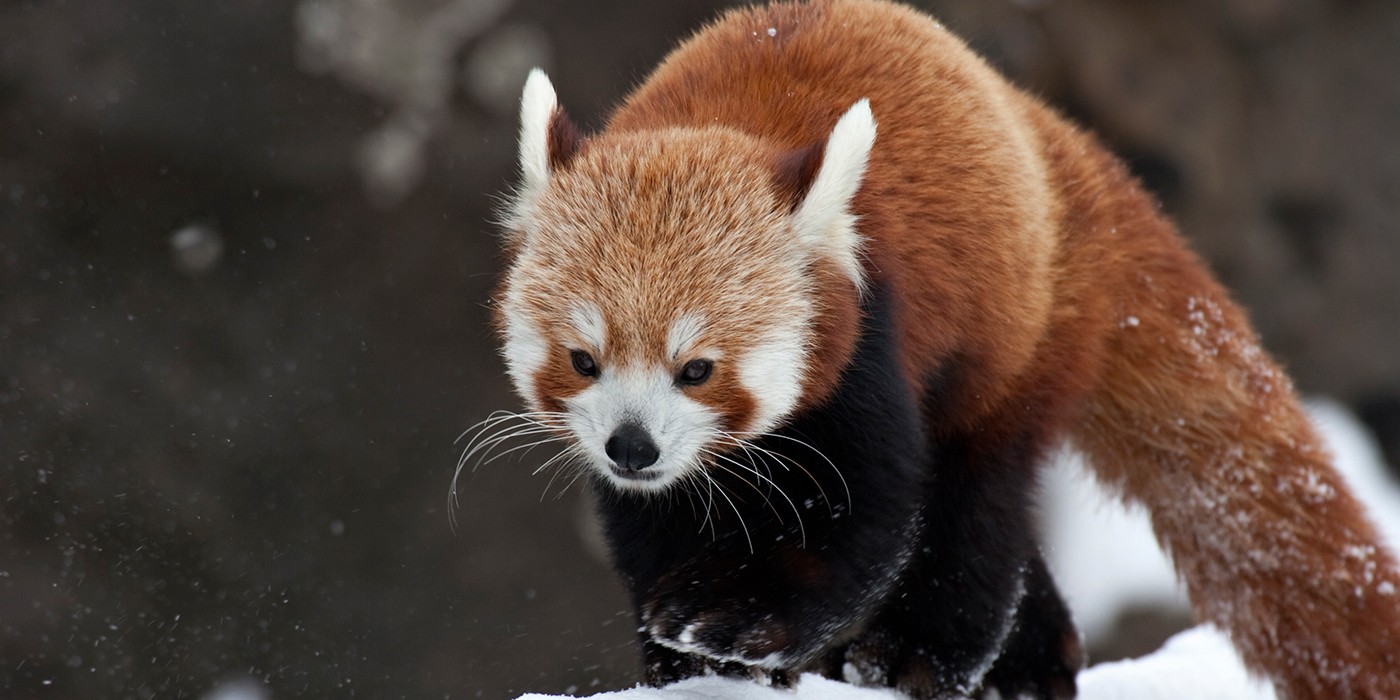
<point x="814" y="305"/>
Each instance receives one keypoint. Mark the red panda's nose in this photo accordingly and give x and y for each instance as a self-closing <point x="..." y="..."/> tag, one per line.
<point x="631" y="448"/>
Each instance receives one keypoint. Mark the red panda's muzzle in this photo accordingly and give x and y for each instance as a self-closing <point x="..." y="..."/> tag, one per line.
<point x="631" y="450"/>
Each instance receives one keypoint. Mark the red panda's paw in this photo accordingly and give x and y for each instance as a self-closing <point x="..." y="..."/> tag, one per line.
<point x="882" y="658"/>
<point x="1045" y="670"/>
<point x="665" y="666"/>
<point x="1044" y="653"/>
<point x="921" y="676"/>
<point x="870" y="659"/>
<point x="741" y="633"/>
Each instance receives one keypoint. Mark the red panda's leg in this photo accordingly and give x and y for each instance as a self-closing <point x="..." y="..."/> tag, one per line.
<point x="787" y="565"/>
<point x="976" y="589"/>
<point x="1193" y="420"/>
<point x="1045" y="653"/>
<point x="1040" y="658"/>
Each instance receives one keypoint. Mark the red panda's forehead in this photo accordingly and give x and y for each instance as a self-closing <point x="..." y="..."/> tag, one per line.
<point x="631" y="310"/>
<point x="669" y="193"/>
<point x="652" y="234"/>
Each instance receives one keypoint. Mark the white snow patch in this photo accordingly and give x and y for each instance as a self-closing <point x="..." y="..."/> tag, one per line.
<point x="1103" y="556"/>
<point x="1198" y="663"/>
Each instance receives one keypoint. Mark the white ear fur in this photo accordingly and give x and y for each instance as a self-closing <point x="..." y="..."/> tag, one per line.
<point x="537" y="105"/>
<point x="823" y="221"/>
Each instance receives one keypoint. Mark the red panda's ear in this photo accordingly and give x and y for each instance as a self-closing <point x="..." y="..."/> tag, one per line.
<point x="793" y="173"/>
<point x="548" y="139"/>
<point x="823" y="219"/>
<point x="565" y="140"/>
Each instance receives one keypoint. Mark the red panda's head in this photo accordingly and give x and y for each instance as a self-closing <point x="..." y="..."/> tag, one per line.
<point x="666" y="291"/>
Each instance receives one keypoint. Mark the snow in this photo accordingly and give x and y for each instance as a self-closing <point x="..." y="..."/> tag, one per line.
<point x="1105" y="560"/>
<point x="716" y="688"/>
<point x="1102" y="555"/>
<point x="1198" y="663"/>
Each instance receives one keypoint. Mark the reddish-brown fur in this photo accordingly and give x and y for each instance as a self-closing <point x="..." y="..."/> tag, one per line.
<point x="1021" y="250"/>
<point x="648" y="303"/>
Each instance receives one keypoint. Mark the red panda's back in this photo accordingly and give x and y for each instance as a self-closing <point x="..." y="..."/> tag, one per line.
<point x="955" y="208"/>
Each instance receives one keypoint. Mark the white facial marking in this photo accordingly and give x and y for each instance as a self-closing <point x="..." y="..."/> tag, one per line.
<point x="589" y="324"/>
<point x="525" y="349"/>
<point x="684" y="333"/>
<point x="772" y="372"/>
<point x="824" y="221"/>
<point x="677" y="424"/>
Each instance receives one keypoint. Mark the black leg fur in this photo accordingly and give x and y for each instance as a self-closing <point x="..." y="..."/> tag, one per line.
<point x="956" y="607"/>
<point x="769" y="572"/>
<point x="1044" y="654"/>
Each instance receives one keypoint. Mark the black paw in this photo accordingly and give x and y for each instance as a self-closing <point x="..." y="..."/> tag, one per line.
<point x="1043" y="655"/>
<point x="882" y="658"/>
<point x="744" y="633"/>
<point x="1046" y="671"/>
<point x="665" y="666"/>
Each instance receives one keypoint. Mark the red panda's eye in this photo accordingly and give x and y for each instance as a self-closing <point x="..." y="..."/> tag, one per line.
<point x="695" y="372"/>
<point x="583" y="363"/>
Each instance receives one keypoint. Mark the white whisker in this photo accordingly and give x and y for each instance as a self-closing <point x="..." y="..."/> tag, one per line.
<point x="495" y="430"/>
<point x="814" y="450"/>
<point x="569" y="452"/>
<point x="578" y="473"/>
<point x="565" y="461"/>
<point x="783" y="460"/>
<point x="742" y="525"/>
<point x="526" y="447"/>
<point x="801" y="528"/>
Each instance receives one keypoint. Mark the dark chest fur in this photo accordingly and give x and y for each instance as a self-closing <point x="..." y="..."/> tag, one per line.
<point x="848" y="543"/>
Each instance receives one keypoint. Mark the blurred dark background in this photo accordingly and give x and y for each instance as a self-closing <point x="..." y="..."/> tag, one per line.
<point x="245" y="250"/>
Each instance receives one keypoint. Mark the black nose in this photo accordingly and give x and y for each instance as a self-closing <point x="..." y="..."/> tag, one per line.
<point x="630" y="448"/>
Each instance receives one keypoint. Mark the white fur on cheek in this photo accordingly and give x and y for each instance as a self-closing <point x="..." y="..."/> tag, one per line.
<point x="772" y="372"/>
<point x="679" y="425"/>
<point x="525" y="351"/>
<point x="824" y="221"/>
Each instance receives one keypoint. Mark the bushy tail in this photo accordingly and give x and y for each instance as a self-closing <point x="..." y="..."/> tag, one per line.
<point x="1196" y="423"/>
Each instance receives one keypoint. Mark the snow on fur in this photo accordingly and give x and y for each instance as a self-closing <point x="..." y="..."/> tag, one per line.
<point x="1105" y="558"/>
